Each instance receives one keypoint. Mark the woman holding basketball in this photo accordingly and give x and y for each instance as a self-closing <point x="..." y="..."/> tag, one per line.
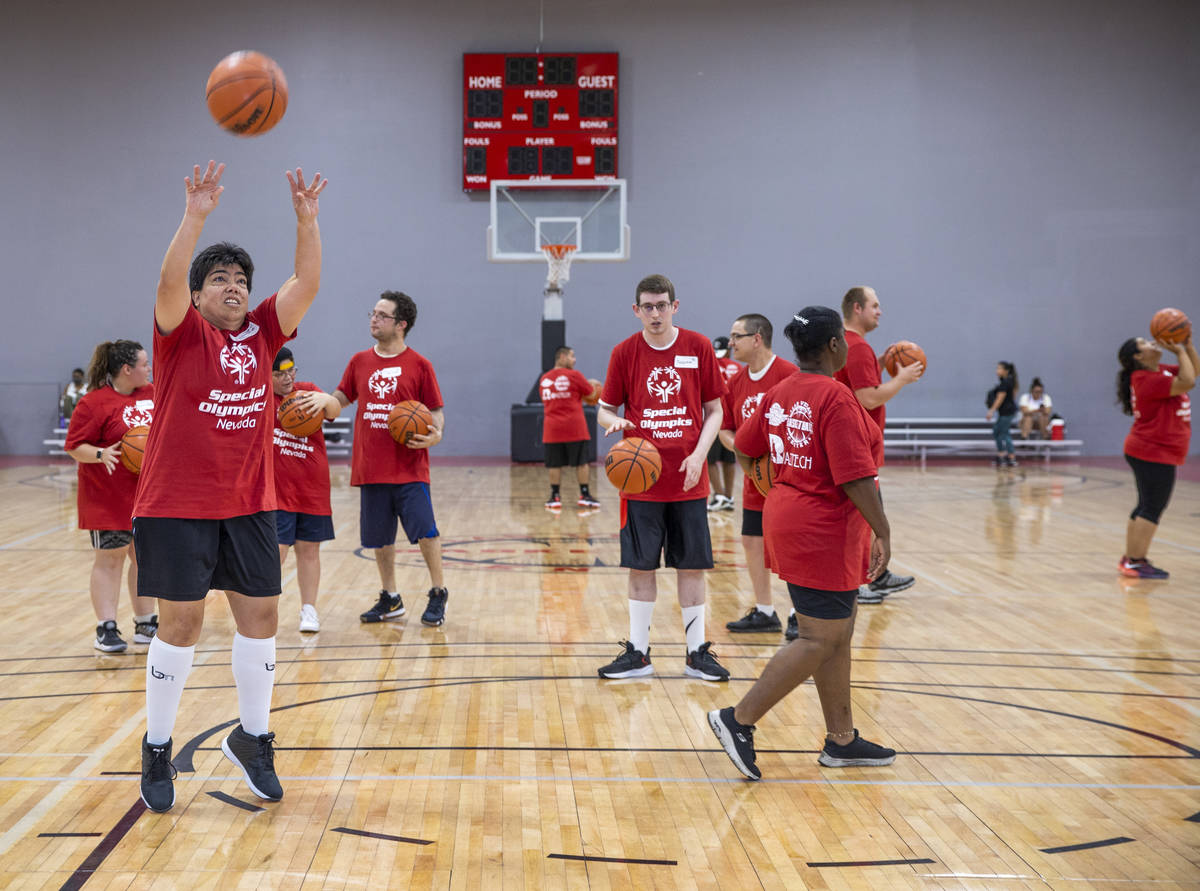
<point x="825" y="450"/>
<point x="1156" y="396"/>
<point x="119" y="396"/>
<point x="1003" y="404"/>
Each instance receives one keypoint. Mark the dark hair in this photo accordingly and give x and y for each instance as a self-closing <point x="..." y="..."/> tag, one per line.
<point x="811" y="329"/>
<point x="854" y="297"/>
<point x="560" y="352"/>
<point x="406" y="309"/>
<point x="108" y="360"/>
<point x="1010" y="371"/>
<point x="221" y="254"/>
<point x="756" y="324"/>
<point x="76" y="371"/>
<point x="1127" y="356"/>
<point x="654" y="284"/>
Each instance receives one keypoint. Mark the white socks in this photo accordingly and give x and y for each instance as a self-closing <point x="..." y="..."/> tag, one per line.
<point x="254" y="674"/>
<point x="167" y="669"/>
<point x="693" y="626"/>
<point x="768" y="610"/>
<point x="640" y="614"/>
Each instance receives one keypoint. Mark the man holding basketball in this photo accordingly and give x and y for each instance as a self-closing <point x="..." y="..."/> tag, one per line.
<point x="750" y="342"/>
<point x="204" y="509"/>
<point x="861" y="312"/>
<point x="564" y="426"/>
<point x="668" y="380"/>
<point x="393" y="479"/>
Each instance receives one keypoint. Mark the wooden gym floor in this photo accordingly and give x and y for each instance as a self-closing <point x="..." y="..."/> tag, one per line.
<point x="1045" y="710"/>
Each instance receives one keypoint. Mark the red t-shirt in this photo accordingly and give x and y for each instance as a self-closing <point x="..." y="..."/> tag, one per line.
<point x="301" y="467"/>
<point x="745" y="392"/>
<point x="209" y="451"/>
<point x="1162" y="423"/>
<point x="819" y="437"/>
<point x="664" y="391"/>
<point x="563" y="390"/>
<point x="862" y="370"/>
<point x="729" y="368"/>
<point x="105" y="500"/>
<point x="377" y="384"/>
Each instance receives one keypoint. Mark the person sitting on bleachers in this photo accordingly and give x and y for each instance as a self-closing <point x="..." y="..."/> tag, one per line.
<point x="72" y="394"/>
<point x="1035" y="407"/>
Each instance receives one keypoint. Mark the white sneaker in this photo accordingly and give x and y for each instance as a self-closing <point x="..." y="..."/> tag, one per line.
<point x="308" y="618"/>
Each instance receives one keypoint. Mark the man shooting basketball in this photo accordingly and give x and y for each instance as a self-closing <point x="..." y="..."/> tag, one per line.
<point x="204" y="510"/>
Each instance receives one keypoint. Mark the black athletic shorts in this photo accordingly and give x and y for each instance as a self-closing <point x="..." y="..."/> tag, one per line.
<point x="381" y="504"/>
<point x="184" y="559"/>
<point x="818" y="604"/>
<point x="566" y="454"/>
<point x="1155" y="483"/>
<point x="678" y="528"/>
<point x="110" y="539"/>
<point x="751" y="522"/>
<point x="291" y="527"/>
<point x="717" y="453"/>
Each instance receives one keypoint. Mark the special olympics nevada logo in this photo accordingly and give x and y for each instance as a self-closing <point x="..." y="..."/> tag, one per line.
<point x="382" y="383"/>
<point x="238" y="360"/>
<point x="664" y="382"/>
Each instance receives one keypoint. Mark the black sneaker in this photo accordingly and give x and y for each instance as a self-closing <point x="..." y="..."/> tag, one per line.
<point x="108" y="638"/>
<point x="856" y="753"/>
<point x="435" y="612"/>
<point x="158" y="775"/>
<point x="630" y="664"/>
<point x="586" y="500"/>
<point x="756" y="620"/>
<point x="387" y="608"/>
<point x="793" y="628"/>
<point x="890" y="583"/>
<point x="255" y="755"/>
<point x="143" y="632"/>
<point x="703" y="664"/>
<point x="737" y="740"/>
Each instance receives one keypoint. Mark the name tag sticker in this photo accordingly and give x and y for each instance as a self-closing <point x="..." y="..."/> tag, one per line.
<point x="687" y="362"/>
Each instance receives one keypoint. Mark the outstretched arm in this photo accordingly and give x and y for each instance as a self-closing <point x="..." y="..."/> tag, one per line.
<point x="297" y="293"/>
<point x="174" y="296"/>
<point x="1185" y="355"/>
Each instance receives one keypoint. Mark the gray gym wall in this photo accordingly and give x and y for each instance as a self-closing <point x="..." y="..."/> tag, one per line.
<point x="1018" y="180"/>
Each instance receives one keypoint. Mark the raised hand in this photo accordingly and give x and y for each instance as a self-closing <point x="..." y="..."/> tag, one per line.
<point x="304" y="197"/>
<point x="204" y="190"/>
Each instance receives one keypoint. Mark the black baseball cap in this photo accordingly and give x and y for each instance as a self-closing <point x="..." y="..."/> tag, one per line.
<point x="283" y="360"/>
<point x="721" y="346"/>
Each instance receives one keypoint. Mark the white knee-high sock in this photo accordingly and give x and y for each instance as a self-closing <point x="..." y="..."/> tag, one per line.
<point x="167" y="669"/>
<point x="640" y="614"/>
<point x="693" y="626"/>
<point x="254" y="674"/>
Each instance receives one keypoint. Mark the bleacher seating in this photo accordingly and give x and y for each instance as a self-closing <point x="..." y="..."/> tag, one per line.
<point x="923" y="437"/>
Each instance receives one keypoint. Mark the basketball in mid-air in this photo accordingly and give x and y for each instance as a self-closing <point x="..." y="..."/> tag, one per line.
<point x="901" y="353"/>
<point x="762" y="474"/>
<point x="247" y="93"/>
<point x="408" y="418"/>
<point x="1170" y="326"/>
<point x="593" y="397"/>
<point x="633" y="465"/>
<point x="294" y="420"/>
<point x="133" y="448"/>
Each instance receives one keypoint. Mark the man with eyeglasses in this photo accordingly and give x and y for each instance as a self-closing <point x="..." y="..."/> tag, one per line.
<point x="303" y="515"/>
<point x="750" y="342"/>
<point x="393" y="479"/>
<point x="669" y="383"/>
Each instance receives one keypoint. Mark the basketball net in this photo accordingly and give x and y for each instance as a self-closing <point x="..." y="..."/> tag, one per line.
<point x="558" y="257"/>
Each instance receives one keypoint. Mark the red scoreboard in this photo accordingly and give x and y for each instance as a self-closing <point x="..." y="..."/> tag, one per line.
<point x="539" y="116"/>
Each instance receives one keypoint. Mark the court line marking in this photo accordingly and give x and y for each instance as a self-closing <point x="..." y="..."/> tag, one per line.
<point x="1087" y="846"/>
<point x="9" y="545"/>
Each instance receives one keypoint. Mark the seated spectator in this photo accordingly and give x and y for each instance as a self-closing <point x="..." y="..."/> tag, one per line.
<point x="1036" y="409"/>
<point x="72" y="394"/>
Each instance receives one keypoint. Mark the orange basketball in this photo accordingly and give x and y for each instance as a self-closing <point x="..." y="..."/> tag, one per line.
<point x="762" y="474"/>
<point x="901" y="353"/>
<point x="1170" y="326"/>
<point x="408" y="418"/>
<point x="633" y="465"/>
<point x="247" y="93"/>
<point x="133" y="448"/>
<point x="593" y="397"/>
<point x="291" y="416"/>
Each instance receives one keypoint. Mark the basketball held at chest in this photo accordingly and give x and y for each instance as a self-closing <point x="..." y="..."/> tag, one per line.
<point x="408" y="418"/>
<point x="633" y="465"/>
<point x="900" y="354"/>
<point x="133" y="448"/>
<point x="293" y="418"/>
<point x="762" y="474"/>
<point x="1170" y="326"/>
<point x="247" y="93"/>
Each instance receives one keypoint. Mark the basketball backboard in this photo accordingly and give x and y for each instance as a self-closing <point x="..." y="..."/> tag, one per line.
<point x="587" y="213"/>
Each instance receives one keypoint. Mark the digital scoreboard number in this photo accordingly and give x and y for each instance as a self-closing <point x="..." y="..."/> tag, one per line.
<point x="539" y="116"/>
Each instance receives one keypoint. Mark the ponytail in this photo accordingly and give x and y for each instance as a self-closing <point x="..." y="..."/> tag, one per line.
<point x="108" y="360"/>
<point x="1127" y="356"/>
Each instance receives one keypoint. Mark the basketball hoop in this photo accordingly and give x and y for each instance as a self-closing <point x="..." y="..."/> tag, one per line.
<point x="558" y="257"/>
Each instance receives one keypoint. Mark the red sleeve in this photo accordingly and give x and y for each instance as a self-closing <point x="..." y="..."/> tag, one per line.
<point x="84" y="426"/>
<point x="1147" y="385"/>
<point x="712" y="381"/>
<point x="580" y="383"/>
<point x="847" y="445"/>
<point x="347" y="383"/>
<point x="751" y="437"/>
<point x="862" y="368"/>
<point x="727" y="411"/>
<point x="614" y="380"/>
<point x="431" y="393"/>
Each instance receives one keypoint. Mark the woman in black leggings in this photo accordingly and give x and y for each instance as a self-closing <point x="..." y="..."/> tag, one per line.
<point x="1156" y="396"/>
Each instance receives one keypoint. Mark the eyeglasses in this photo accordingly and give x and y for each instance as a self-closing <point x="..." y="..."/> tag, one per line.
<point x="661" y="306"/>
<point x="375" y="314"/>
<point x="733" y="336"/>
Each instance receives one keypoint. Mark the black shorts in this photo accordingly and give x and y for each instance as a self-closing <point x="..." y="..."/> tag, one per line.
<point x="110" y="539"/>
<point x="184" y="559"/>
<point x="1155" y="483"/>
<point x="717" y="453"/>
<point x="751" y="522"/>
<point x="291" y="527"/>
<point x="680" y="528"/>
<point x="818" y="604"/>
<point x="566" y="454"/>
<point x="380" y="504"/>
